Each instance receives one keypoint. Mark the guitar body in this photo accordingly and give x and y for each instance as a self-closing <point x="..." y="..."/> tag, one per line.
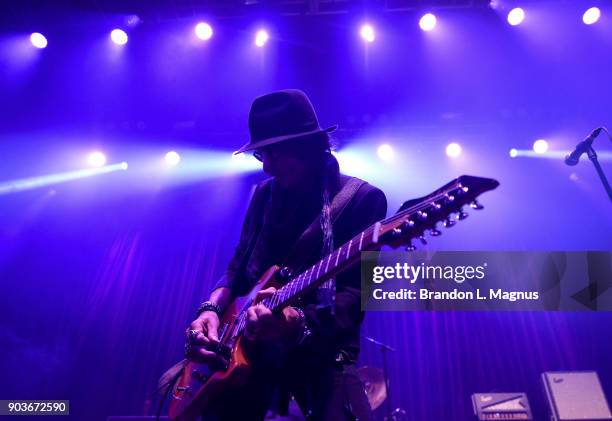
<point x="199" y="385"/>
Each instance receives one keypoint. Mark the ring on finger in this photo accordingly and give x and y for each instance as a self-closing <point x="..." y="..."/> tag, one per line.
<point x="193" y="335"/>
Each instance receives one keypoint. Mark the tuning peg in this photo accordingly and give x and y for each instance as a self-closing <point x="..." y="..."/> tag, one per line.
<point x="435" y="232"/>
<point x="410" y="247"/>
<point x="462" y="189"/>
<point x="423" y="240"/>
<point x="476" y="205"/>
<point x="408" y="223"/>
<point x="448" y="223"/>
<point x="396" y="232"/>
<point x="462" y="215"/>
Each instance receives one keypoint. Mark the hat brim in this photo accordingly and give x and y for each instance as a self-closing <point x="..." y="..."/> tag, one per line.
<point x="265" y="142"/>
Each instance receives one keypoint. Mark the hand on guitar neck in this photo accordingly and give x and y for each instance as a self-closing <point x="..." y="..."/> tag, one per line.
<point x="262" y="324"/>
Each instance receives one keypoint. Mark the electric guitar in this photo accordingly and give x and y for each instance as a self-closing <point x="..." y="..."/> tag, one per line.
<point x="199" y="385"/>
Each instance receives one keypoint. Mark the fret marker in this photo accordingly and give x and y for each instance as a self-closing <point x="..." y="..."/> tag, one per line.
<point x="376" y="232"/>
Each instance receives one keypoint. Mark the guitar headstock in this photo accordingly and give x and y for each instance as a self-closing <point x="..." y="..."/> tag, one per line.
<point x="445" y="205"/>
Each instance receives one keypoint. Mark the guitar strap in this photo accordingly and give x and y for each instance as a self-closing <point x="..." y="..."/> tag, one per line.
<point x="307" y="242"/>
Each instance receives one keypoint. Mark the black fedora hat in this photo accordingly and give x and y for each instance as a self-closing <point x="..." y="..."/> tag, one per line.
<point x="281" y="116"/>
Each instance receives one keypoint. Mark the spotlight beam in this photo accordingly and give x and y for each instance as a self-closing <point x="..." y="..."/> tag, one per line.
<point x="14" y="186"/>
<point x="530" y="153"/>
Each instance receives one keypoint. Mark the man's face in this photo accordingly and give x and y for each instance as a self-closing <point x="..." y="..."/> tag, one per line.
<point x="283" y="162"/>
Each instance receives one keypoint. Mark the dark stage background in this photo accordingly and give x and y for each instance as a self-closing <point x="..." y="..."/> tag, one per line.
<point x="100" y="276"/>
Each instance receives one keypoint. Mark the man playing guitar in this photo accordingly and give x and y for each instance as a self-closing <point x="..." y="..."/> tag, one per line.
<point x="309" y="348"/>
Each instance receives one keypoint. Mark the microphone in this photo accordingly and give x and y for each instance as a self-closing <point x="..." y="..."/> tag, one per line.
<point x="573" y="158"/>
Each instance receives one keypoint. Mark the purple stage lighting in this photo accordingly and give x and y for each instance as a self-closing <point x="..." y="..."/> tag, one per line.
<point x="428" y="22"/>
<point x="96" y="159"/>
<point x="261" y="37"/>
<point x="516" y="16"/>
<point x="204" y="31"/>
<point x="367" y="33"/>
<point x="591" y="16"/>
<point x="15" y="186"/>
<point x="119" y="36"/>
<point x="385" y="152"/>
<point x="540" y="146"/>
<point x="172" y="158"/>
<point x="453" y="150"/>
<point x="38" y="40"/>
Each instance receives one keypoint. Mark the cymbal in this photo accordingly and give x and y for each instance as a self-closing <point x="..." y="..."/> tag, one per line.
<point x="373" y="380"/>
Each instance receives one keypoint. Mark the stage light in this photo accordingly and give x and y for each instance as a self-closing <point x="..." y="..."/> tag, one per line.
<point x="38" y="40"/>
<point x="385" y="152"/>
<point x="540" y="146"/>
<point x="513" y="153"/>
<point x="119" y="36"/>
<point x="367" y="33"/>
<point x="204" y="31"/>
<point x="15" y="186"/>
<point x="453" y="150"/>
<point x="172" y="158"/>
<point x="261" y="37"/>
<point x="428" y="22"/>
<point x="96" y="159"/>
<point x="591" y="16"/>
<point x="516" y="16"/>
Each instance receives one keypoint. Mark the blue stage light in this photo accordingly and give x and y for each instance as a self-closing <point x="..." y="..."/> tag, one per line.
<point x="203" y="31"/>
<point x="540" y="146"/>
<point x="428" y="22"/>
<point x="261" y="37"/>
<point x="385" y="152"/>
<point x="516" y="16"/>
<point x="172" y="158"/>
<point x="15" y="186"/>
<point x="453" y="150"/>
<point x="96" y="159"/>
<point x="591" y="16"/>
<point x="367" y="33"/>
<point x="119" y="36"/>
<point x="38" y="40"/>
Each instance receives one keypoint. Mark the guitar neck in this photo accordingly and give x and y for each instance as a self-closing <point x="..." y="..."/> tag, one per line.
<point x="324" y="269"/>
<point x="411" y="221"/>
<point x="341" y="258"/>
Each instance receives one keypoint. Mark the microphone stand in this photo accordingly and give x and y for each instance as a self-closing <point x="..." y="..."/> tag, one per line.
<point x="396" y="414"/>
<point x="593" y="158"/>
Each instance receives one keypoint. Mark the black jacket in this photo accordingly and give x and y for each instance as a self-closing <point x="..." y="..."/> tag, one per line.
<point x="274" y="221"/>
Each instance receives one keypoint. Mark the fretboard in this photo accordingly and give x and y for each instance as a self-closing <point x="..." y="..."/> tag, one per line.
<point x="324" y="269"/>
